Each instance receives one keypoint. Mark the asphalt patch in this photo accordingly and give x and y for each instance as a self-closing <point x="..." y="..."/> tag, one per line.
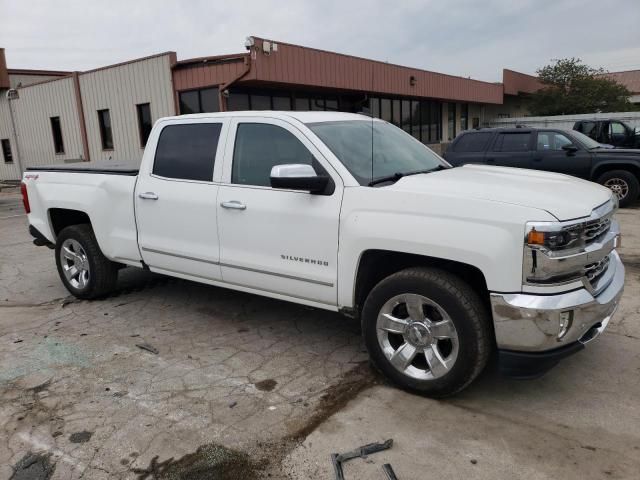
<point x="33" y="467"/>
<point x="209" y="462"/>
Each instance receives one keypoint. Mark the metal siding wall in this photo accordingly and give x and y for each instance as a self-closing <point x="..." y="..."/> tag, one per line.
<point x="8" y="171"/>
<point x="25" y="79"/>
<point x="306" y="66"/>
<point x="119" y="89"/>
<point x="32" y="113"/>
<point x="205" y="75"/>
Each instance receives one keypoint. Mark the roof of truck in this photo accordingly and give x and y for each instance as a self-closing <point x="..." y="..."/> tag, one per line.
<point x="304" y="117"/>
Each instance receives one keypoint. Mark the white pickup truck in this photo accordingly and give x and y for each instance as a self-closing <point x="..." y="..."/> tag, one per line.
<point x="343" y="212"/>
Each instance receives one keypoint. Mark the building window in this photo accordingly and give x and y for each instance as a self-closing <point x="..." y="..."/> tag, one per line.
<point x="451" y="123"/>
<point x="56" y="130"/>
<point x="106" y="135"/>
<point x="199" y="101"/>
<point x="238" y="101"/>
<point x="144" y="122"/>
<point x="464" y="117"/>
<point x="6" y="151"/>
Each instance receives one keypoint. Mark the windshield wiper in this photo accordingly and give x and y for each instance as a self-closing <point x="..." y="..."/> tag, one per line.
<point x="398" y="175"/>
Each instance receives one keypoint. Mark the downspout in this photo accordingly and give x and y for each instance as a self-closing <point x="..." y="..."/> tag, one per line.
<point x="10" y="94"/>
<point x="225" y="86"/>
<point x="83" y="124"/>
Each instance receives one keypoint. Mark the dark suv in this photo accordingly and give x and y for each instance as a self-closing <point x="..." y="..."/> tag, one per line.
<point x="554" y="150"/>
<point x="612" y="132"/>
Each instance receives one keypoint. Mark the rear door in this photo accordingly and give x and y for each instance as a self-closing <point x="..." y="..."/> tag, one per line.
<point x="468" y="148"/>
<point x="550" y="156"/>
<point x="510" y="149"/>
<point x="175" y="198"/>
<point x="275" y="240"/>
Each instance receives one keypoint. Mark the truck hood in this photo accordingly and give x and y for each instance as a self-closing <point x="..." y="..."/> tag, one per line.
<point x="562" y="196"/>
<point x="627" y="152"/>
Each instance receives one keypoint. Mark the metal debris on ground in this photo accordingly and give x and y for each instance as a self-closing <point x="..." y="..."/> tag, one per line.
<point x="148" y="348"/>
<point x="388" y="470"/>
<point x="337" y="459"/>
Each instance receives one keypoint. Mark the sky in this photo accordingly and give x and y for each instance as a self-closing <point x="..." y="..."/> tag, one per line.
<point x="474" y="39"/>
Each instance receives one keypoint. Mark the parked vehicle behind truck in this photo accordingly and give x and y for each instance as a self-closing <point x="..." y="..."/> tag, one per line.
<point x="554" y="150"/>
<point x="350" y="214"/>
<point x="610" y="132"/>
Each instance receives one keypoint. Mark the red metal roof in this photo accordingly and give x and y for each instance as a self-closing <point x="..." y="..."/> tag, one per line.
<point x="294" y="65"/>
<point x="629" y="78"/>
<point x="516" y="83"/>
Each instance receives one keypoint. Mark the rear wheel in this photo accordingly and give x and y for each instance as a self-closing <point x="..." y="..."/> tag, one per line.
<point x="623" y="183"/>
<point x="82" y="267"/>
<point x="427" y="331"/>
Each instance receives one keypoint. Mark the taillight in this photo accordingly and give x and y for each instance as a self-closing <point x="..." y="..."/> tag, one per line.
<point x="25" y="197"/>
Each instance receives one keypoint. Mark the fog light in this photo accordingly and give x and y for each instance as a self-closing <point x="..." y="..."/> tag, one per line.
<point x="566" y="319"/>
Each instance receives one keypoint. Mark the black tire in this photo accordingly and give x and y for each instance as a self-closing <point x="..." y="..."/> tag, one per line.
<point x="625" y="177"/>
<point x="466" y="311"/>
<point x="103" y="273"/>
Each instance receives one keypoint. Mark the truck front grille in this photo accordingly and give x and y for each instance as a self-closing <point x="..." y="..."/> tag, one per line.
<point x="595" y="271"/>
<point x="596" y="229"/>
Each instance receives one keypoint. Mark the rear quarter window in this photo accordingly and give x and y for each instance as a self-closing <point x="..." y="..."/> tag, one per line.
<point x="473" y="142"/>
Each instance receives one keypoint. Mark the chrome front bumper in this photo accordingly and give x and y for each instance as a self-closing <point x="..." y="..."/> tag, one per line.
<point x="538" y="323"/>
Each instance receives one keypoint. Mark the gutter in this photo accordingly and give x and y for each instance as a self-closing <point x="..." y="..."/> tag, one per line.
<point x="223" y="90"/>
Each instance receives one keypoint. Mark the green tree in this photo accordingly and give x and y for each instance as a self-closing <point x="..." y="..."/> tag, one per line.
<point x="572" y="87"/>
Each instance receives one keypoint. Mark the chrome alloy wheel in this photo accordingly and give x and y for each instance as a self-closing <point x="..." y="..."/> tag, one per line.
<point x="75" y="263"/>
<point x="417" y="336"/>
<point x="618" y="186"/>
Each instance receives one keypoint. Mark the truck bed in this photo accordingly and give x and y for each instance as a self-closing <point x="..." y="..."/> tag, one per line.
<point x="103" y="168"/>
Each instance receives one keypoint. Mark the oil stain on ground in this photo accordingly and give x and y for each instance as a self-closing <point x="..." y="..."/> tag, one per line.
<point x="209" y="462"/>
<point x="33" y="467"/>
<point x="266" y="385"/>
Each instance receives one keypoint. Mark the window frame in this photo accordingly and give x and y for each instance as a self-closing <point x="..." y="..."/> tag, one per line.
<point x="102" y="130"/>
<point x="6" y="142"/>
<point x="329" y="169"/>
<point x="198" y="94"/>
<point x="144" y="141"/>
<point x="53" y="135"/>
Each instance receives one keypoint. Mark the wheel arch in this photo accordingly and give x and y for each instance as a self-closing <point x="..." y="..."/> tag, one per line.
<point x="60" y="218"/>
<point x="374" y="265"/>
<point x="603" y="168"/>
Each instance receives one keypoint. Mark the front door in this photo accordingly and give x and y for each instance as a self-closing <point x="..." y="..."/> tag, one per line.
<point x="175" y="199"/>
<point x="550" y="156"/>
<point x="274" y="240"/>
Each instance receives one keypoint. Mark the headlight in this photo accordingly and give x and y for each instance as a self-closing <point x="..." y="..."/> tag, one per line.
<point x="555" y="238"/>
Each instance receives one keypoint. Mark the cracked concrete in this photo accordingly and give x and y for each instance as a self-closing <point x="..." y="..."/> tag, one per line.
<point x="241" y="381"/>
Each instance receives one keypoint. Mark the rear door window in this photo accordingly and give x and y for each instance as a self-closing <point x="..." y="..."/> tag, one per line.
<point x="473" y="142"/>
<point x="187" y="151"/>
<point x="512" y="142"/>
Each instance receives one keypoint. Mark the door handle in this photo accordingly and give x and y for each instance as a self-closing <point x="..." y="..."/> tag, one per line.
<point x="148" y="196"/>
<point x="233" y="204"/>
<point x="491" y="160"/>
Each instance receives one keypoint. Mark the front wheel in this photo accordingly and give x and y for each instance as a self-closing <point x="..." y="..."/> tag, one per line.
<point x="623" y="183"/>
<point x="427" y="331"/>
<point x="82" y="267"/>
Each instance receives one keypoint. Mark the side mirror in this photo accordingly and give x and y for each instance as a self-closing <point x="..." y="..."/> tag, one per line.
<point x="570" y="149"/>
<point x="296" y="176"/>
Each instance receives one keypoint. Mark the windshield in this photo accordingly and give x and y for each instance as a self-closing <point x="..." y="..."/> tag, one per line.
<point x="395" y="152"/>
<point x="586" y="142"/>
